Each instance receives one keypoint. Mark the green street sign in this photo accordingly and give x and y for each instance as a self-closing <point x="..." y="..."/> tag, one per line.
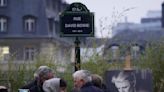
<point x="77" y="21"/>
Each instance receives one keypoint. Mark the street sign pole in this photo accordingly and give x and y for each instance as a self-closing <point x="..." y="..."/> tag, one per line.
<point x="77" y="21"/>
<point x="77" y="54"/>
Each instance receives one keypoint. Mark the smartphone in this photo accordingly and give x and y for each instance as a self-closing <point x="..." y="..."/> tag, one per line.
<point x="23" y="90"/>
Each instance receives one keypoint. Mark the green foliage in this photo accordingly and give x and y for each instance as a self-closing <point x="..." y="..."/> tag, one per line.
<point x="20" y="74"/>
<point x="16" y="76"/>
<point x="68" y="77"/>
<point x="95" y="67"/>
<point x="99" y="66"/>
<point x="154" y="60"/>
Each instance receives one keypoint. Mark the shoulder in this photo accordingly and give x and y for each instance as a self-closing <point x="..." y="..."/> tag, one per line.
<point x="97" y="89"/>
<point x="91" y="89"/>
<point x="30" y="84"/>
<point x="36" y="89"/>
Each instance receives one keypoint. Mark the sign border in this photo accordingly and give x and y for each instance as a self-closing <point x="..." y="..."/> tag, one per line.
<point x="78" y="35"/>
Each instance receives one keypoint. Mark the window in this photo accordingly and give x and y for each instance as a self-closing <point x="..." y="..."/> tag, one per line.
<point x="51" y="24"/>
<point x="115" y="51"/>
<point x="57" y="30"/>
<point x="3" y="3"/>
<point x="3" y="24"/>
<point x="29" y="53"/>
<point x="30" y="24"/>
<point x="4" y="52"/>
<point x="135" y="51"/>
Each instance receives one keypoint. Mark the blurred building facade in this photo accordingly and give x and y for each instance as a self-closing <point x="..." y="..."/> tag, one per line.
<point x="134" y="38"/>
<point x="152" y="22"/>
<point x="30" y="28"/>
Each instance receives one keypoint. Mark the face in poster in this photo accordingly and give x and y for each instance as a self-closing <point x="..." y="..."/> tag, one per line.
<point x="129" y="81"/>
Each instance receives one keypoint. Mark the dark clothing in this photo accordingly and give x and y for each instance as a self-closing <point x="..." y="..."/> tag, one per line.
<point x="75" y="90"/>
<point x="3" y="90"/>
<point x="33" y="86"/>
<point x="89" y="87"/>
<point x="29" y="85"/>
<point x="104" y="88"/>
<point x="101" y="86"/>
<point x="36" y="88"/>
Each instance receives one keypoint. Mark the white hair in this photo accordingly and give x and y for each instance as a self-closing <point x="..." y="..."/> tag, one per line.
<point x="3" y="87"/>
<point x="82" y="74"/>
<point x="51" y="85"/>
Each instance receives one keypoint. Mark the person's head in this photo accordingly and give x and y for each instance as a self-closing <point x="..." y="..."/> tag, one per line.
<point x="44" y="73"/>
<point x="97" y="80"/>
<point x="81" y="77"/>
<point x="40" y="68"/>
<point x="125" y="81"/>
<point x="63" y="85"/>
<point x="3" y="89"/>
<point x="54" y="85"/>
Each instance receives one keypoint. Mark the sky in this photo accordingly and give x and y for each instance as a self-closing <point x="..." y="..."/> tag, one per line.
<point x="110" y="12"/>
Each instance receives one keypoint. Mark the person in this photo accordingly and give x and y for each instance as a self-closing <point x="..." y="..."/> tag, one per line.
<point x="63" y="85"/>
<point x="3" y="89"/>
<point x="82" y="81"/>
<point x="43" y="73"/>
<point x="97" y="81"/>
<point x="55" y="85"/>
<point x="75" y="89"/>
<point x="125" y="81"/>
<point x="36" y="76"/>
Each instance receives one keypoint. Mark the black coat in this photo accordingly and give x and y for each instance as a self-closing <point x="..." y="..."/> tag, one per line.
<point x="29" y="85"/>
<point x="33" y="86"/>
<point x="89" y="87"/>
<point x="36" y="88"/>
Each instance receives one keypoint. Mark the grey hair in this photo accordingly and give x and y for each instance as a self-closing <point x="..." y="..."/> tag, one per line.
<point x="41" y="68"/>
<point x="83" y="74"/>
<point x="43" y="71"/>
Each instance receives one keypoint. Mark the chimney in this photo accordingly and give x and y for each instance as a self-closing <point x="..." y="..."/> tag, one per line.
<point x="163" y="15"/>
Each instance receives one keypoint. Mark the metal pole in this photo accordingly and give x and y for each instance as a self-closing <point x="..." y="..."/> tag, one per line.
<point x="77" y="54"/>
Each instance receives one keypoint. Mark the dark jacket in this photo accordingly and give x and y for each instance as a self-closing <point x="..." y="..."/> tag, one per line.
<point x="36" y="88"/>
<point x="89" y="87"/>
<point x="33" y="86"/>
<point x="29" y="85"/>
<point x="3" y="90"/>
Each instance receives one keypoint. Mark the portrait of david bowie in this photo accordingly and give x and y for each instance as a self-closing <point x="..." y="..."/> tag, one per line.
<point x="124" y="81"/>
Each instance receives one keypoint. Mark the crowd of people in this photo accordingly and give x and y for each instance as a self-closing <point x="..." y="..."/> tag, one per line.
<point x="46" y="81"/>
